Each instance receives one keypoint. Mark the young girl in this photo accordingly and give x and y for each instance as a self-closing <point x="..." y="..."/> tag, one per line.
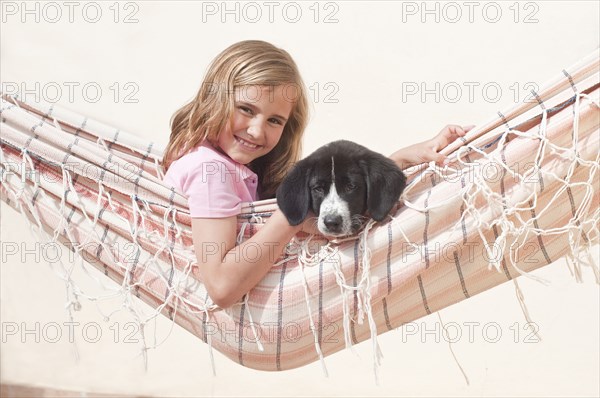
<point x="235" y="142"/>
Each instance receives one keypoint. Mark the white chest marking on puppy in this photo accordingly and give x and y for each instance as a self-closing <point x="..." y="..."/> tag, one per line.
<point x="333" y="207"/>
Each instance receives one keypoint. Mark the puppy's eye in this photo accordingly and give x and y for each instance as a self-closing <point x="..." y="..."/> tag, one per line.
<point x="350" y="187"/>
<point x="318" y="189"/>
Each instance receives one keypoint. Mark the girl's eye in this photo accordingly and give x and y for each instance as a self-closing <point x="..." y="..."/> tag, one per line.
<point x="276" y="121"/>
<point x="246" y="109"/>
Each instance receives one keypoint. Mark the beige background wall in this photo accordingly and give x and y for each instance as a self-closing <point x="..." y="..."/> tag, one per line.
<point x="359" y="67"/>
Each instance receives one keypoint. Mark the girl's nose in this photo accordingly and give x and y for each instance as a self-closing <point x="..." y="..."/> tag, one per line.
<point x="255" y="129"/>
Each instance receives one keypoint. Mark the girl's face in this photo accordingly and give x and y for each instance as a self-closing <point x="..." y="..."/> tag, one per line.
<point x="259" y="116"/>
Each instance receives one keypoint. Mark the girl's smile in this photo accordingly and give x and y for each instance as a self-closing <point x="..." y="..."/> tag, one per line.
<point x="246" y="144"/>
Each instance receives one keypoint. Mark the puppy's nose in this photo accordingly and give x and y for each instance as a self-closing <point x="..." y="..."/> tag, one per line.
<point x="333" y="222"/>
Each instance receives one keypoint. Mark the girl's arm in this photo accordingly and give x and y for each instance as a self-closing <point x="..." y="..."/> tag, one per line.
<point x="229" y="271"/>
<point x="427" y="151"/>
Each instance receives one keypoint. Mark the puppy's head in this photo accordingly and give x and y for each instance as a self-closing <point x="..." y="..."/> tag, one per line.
<point x="341" y="183"/>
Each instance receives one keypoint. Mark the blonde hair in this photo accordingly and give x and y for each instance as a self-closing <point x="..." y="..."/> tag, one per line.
<point x="246" y="63"/>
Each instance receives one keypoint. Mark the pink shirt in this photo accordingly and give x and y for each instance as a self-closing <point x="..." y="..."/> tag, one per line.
<point x="215" y="184"/>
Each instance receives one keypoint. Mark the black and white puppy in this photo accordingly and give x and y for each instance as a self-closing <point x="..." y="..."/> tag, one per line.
<point x="341" y="183"/>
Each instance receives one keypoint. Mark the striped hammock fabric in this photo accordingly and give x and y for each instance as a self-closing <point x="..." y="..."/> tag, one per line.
<point x="521" y="192"/>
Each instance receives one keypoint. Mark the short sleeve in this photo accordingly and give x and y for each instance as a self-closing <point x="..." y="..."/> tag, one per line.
<point x="210" y="190"/>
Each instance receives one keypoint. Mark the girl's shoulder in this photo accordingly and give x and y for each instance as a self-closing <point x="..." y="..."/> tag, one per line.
<point x="207" y="160"/>
<point x="209" y="178"/>
<point x="200" y="157"/>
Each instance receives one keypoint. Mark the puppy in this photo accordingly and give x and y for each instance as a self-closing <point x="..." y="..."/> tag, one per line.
<point x="341" y="183"/>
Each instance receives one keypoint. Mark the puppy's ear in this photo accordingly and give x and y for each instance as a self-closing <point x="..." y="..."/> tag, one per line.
<point x="293" y="196"/>
<point x="385" y="183"/>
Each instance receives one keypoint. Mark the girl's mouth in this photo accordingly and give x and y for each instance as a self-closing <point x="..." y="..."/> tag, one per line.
<point x="247" y="145"/>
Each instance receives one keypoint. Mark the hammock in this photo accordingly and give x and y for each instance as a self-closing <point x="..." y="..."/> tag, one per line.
<point x="519" y="194"/>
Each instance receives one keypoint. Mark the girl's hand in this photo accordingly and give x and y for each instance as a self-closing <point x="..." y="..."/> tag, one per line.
<point x="309" y="225"/>
<point x="427" y="151"/>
